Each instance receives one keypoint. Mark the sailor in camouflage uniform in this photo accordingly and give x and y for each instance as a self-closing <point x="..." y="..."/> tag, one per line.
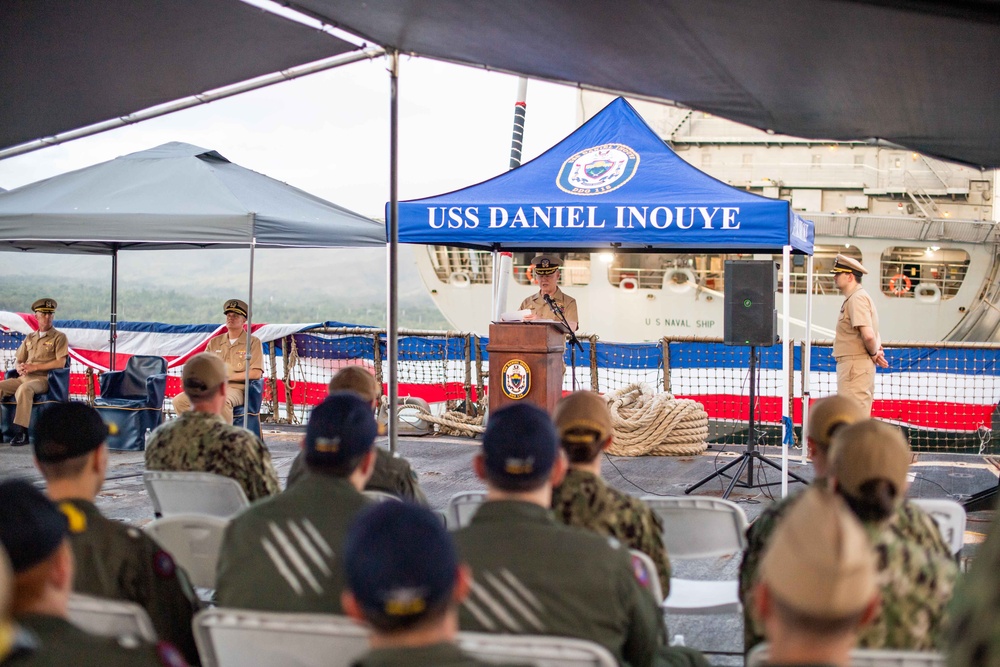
<point x="584" y="499"/>
<point x="546" y="271"/>
<point x="283" y="553"/>
<point x="532" y="575"/>
<point x="826" y="415"/>
<point x="40" y="351"/>
<point x="34" y="533"/>
<point x="405" y="582"/>
<point x="200" y="441"/>
<point x="113" y="559"/>
<point x="393" y="474"/>
<point x="818" y="583"/>
<point x="869" y="462"/>
<point x="231" y="347"/>
<point x="974" y="635"/>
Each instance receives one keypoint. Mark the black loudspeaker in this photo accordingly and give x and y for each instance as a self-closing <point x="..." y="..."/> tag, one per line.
<point x="751" y="318"/>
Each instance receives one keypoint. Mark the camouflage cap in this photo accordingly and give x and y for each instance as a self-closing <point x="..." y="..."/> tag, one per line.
<point x="355" y="378"/>
<point x="67" y="430"/>
<point x="544" y="265"/>
<point x="236" y="306"/>
<point x="819" y="560"/>
<point x="827" y="414"/>
<point x="845" y="264"/>
<point x="583" y="410"/>
<point x="203" y="373"/>
<point x="45" y="305"/>
<point x="870" y="450"/>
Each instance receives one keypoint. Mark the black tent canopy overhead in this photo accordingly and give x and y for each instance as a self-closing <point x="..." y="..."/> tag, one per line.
<point x="917" y="74"/>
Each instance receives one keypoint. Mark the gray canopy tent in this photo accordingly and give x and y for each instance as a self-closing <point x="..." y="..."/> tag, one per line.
<point x="174" y="196"/>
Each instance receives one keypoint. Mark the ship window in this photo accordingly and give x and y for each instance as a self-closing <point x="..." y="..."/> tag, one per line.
<point x="823" y="259"/>
<point x="575" y="271"/>
<point x="456" y="264"/>
<point x="677" y="272"/>
<point x="929" y="272"/>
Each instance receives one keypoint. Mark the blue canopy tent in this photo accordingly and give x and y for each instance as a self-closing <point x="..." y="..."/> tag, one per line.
<point x="613" y="183"/>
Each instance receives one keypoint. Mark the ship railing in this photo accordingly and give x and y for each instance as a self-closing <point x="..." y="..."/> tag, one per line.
<point x="944" y="394"/>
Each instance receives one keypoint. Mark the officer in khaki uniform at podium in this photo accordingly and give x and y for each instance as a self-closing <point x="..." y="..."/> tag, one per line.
<point x="545" y="268"/>
<point x="40" y="352"/>
<point x="231" y="347"/>
<point x="857" y="345"/>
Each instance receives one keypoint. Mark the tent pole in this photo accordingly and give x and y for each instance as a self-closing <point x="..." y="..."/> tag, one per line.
<point x="249" y="347"/>
<point x="807" y="358"/>
<point x="392" y="322"/>
<point x="786" y="360"/>
<point x="113" y="324"/>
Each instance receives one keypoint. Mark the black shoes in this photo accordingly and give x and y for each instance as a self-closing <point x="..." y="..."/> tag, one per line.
<point x="20" y="436"/>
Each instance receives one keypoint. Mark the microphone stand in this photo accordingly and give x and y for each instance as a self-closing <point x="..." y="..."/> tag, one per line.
<point x="574" y="342"/>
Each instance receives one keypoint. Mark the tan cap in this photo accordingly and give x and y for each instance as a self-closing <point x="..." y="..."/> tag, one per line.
<point x="203" y="373"/>
<point x="827" y="414"/>
<point x="845" y="264"/>
<point x="583" y="410"/>
<point x="819" y="560"/>
<point x="355" y="378"/>
<point x="869" y="450"/>
<point x="45" y="305"/>
<point x="236" y="306"/>
<point x="544" y="265"/>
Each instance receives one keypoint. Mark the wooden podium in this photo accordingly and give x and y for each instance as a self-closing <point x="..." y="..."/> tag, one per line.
<point x="526" y="363"/>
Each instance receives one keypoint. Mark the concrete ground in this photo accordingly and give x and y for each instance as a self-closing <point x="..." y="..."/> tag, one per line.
<point x="444" y="467"/>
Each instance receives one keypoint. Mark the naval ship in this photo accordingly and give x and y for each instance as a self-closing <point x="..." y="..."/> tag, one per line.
<point x="924" y="228"/>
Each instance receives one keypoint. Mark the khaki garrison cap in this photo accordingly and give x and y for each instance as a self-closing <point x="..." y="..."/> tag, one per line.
<point x="845" y="264"/>
<point x="870" y="450"/>
<point x="544" y="265"/>
<point x="827" y="414"/>
<point x="203" y="373"/>
<point x="236" y="306"/>
<point x="819" y="561"/>
<point x="44" y="306"/>
<point x="583" y="410"/>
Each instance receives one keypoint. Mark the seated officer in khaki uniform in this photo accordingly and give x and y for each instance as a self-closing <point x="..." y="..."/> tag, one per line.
<point x="857" y="345"/>
<point x="40" y="352"/>
<point x="546" y="271"/>
<point x="231" y="347"/>
<point x="818" y="584"/>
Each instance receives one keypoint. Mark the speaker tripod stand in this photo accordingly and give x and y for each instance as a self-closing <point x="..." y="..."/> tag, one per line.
<point x="750" y="456"/>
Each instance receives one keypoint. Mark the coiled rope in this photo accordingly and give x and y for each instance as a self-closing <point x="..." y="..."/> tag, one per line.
<point x="651" y="423"/>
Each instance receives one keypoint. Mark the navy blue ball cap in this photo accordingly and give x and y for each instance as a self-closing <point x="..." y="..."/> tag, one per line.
<point x="400" y="562"/>
<point x="340" y="428"/>
<point x="31" y="526"/>
<point x="519" y="444"/>
<point x="67" y="430"/>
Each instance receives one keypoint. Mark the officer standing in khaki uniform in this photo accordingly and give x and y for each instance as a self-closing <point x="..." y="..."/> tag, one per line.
<point x="231" y="347"/>
<point x="40" y="352"/>
<point x="857" y="345"/>
<point x="113" y="559"/>
<point x="545" y="268"/>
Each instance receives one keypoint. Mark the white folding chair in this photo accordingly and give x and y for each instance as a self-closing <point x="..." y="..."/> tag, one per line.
<point x="697" y="527"/>
<point x="538" y="650"/>
<point x="463" y="506"/>
<point x="194" y="541"/>
<point x="193" y="493"/>
<point x="949" y="517"/>
<point x="238" y="637"/>
<point x="381" y="496"/>
<point x="866" y="657"/>
<point x="641" y="559"/>
<point x="110" y="618"/>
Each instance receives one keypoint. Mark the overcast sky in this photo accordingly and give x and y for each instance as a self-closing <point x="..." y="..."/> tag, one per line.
<point x="328" y="133"/>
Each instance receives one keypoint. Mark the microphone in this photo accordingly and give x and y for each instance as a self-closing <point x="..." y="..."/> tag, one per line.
<point x="553" y="305"/>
